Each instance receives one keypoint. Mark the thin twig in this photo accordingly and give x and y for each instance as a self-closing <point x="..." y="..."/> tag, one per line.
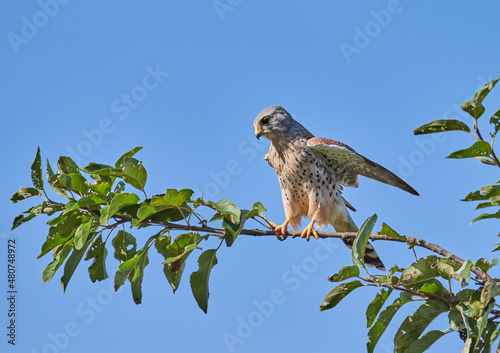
<point x="411" y="291"/>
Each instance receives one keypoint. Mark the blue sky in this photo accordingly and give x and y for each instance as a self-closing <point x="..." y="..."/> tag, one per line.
<point x="94" y="79"/>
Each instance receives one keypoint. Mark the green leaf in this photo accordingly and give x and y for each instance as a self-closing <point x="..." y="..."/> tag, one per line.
<point x="433" y="288"/>
<point x="157" y="214"/>
<point x="475" y="110"/>
<point x="467" y="295"/>
<point x="131" y="153"/>
<point x="486" y="160"/>
<point x="182" y="248"/>
<point x="65" y="165"/>
<point x="490" y="335"/>
<point x="120" y="187"/>
<point x="414" y="325"/>
<point x="125" y="246"/>
<point x="81" y="234"/>
<point x="345" y="272"/>
<point x="145" y="211"/>
<point x="118" y="202"/>
<point x="173" y="270"/>
<point x="478" y="149"/>
<point x="133" y="270"/>
<point x="90" y="203"/>
<point x="136" y="281"/>
<point x="258" y="206"/>
<point x="389" y="278"/>
<point x="258" y="209"/>
<point x="424" y="342"/>
<point x="440" y="126"/>
<point x="24" y="193"/>
<point x="60" y="254"/>
<point x="49" y="210"/>
<point x="227" y="209"/>
<point x="36" y="171"/>
<point x="101" y="188"/>
<point x="74" y="182"/>
<point x="464" y="270"/>
<point x="33" y="212"/>
<point x="475" y="321"/>
<point x="374" y="307"/>
<point x="486" y="216"/>
<point x="431" y="267"/>
<point x="160" y="210"/>
<point x="485" y="193"/>
<point x="385" y="317"/>
<point x="490" y="290"/>
<point x="68" y="223"/>
<point x="233" y="229"/>
<point x="71" y="265"/>
<point x="495" y="202"/>
<point x="456" y="320"/>
<point x="53" y="239"/>
<point x="338" y="293"/>
<point x="361" y="240"/>
<point x="386" y="230"/>
<point x="52" y="179"/>
<point x="127" y="269"/>
<point x="495" y="120"/>
<point x="99" y="169"/>
<point x="199" y="279"/>
<point x="484" y="265"/>
<point x="483" y="92"/>
<point x="22" y="219"/>
<point x="176" y="254"/>
<point x="136" y="284"/>
<point x="98" y="253"/>
<point x="134" y="173"/>
<point x="177" y="197"/>
<point x="448" y="268"/>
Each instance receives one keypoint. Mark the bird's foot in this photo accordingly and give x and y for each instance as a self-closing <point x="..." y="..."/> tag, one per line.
<point x="307" y="232"/>
<point x="281" y="230"/>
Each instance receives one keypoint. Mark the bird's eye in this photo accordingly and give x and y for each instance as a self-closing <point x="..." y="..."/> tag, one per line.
<point x="265" y="120"/>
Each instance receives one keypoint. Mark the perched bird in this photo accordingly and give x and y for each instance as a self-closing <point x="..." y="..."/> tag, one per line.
<point x="312" y="171"/>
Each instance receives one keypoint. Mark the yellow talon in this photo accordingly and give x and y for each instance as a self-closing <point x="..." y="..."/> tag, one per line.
<point x="281" y="230"/>
<point x="307" y="232"/>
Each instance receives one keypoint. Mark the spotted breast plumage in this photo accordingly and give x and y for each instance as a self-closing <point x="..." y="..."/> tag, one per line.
<point x="312" y="171"/>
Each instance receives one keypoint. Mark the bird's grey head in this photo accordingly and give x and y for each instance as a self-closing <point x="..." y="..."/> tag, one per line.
<point x="275" y="122"/>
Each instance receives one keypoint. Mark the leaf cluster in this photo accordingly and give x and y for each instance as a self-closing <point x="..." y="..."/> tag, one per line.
<point x="481" y="150"/>
<point x="428" y="281"/>
<point x="97" y="210"/>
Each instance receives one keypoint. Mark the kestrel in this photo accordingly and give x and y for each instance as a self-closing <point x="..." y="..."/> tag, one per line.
<point x="312" y="171"/>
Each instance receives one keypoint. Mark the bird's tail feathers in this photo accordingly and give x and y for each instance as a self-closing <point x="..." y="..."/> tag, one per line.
<point x="346" y="224"/>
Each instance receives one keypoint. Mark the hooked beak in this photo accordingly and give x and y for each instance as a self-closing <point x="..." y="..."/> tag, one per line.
<point x="258" y="132"/>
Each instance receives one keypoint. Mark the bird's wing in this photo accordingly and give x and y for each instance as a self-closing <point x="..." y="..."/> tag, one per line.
<point x="347" y="164"/>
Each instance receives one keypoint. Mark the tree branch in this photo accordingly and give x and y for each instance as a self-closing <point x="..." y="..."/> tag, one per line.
<point x="411" y="241"/>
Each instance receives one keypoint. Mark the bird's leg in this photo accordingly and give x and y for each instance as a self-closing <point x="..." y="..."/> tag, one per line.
<point x="280" y="230"/>
<point x="310" y="229"/>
